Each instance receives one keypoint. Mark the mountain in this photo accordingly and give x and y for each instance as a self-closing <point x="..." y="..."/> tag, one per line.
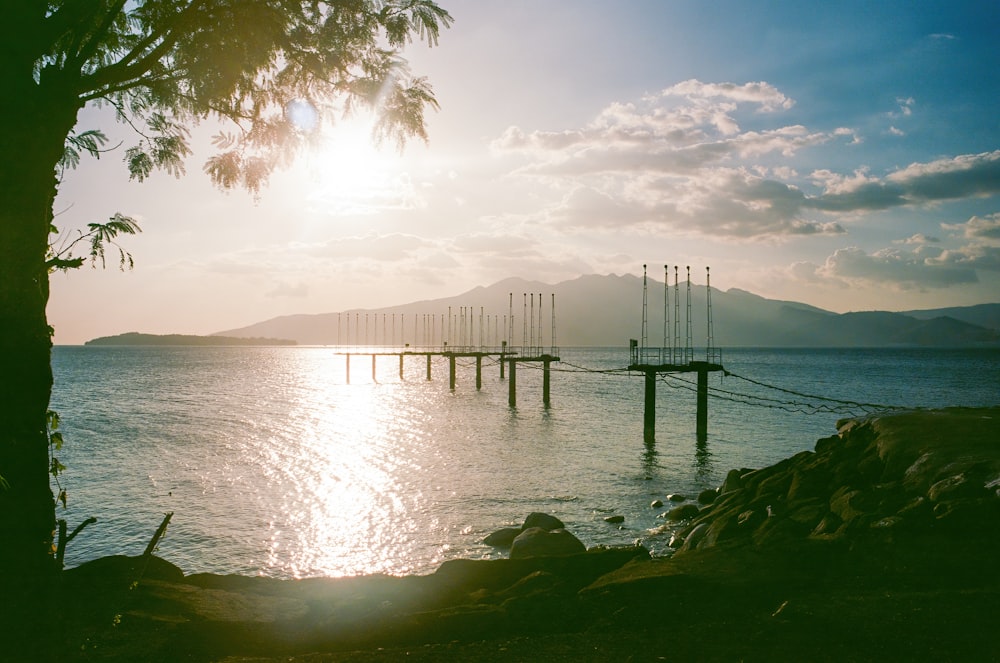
<point x="983" y="315"/>
<point x="135" y="338"/>
<point x="606" y="310"/>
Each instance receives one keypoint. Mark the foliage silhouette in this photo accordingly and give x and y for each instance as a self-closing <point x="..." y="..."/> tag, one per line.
<point x="163" y="66"/>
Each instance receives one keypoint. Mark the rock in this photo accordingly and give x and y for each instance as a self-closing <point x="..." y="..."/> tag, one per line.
<point x="707" y="496"/>
<point x="539" y="542"/>
<point x="953" y="487"/>
<point x="675" y="497"/>
<point x="847" y="503"/>
<point x="694" y="537"/>
<point x="502" y="538"/>
<point x="733" y="482"/>
<point x="683" y="512"/>
<point x="656" y="504"/>
<point x="614" y="519"/>
<point x="542" y="520"/>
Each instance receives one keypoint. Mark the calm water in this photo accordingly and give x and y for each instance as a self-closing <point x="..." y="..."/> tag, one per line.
<point x="273" y="465"/>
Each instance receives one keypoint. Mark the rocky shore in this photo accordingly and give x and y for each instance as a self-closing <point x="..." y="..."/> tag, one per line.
<point x="881" y="544"/>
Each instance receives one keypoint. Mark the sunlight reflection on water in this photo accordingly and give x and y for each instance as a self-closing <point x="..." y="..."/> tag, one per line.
<point x="273" y="465"/>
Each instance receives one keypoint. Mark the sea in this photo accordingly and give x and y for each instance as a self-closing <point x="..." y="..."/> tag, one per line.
<point x="274" y="463"/>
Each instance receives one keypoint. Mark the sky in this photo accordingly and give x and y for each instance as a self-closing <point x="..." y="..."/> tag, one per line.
<point x="841" y="154"/>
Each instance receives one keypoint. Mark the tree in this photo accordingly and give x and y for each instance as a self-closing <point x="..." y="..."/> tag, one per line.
<point x="272" y="71"/>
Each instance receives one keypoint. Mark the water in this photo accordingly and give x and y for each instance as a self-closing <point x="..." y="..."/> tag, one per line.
<point x="273" y="465"/>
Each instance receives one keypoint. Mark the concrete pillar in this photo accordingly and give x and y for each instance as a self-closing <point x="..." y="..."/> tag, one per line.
<point x="348" y="369"/>
<point x="428" y="366"/>
<point x="479" y="372"/>
<point x="451" y="372"/>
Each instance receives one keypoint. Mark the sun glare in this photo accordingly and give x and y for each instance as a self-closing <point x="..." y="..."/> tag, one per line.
<point x="349" y="174"/>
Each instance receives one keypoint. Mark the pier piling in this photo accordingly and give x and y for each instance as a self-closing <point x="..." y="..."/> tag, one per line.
<point x="701" y="425"/>
<point x="512" y="384"/>
<point x="649" y="408"/>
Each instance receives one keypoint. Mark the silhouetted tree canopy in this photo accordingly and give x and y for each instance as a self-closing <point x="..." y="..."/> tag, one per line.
<point x="271" y="72"/>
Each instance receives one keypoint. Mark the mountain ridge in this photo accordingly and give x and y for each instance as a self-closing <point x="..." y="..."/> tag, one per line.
<point x="606" y="310"/>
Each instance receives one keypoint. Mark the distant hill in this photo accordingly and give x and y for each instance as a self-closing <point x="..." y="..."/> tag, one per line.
<point x="607" y="311"/>
<point x="135" y="338"/>
<point x="983" y="315"/>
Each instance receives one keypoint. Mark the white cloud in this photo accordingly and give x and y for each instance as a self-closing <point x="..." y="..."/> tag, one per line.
<point x="919" y="239"/>
<point x="768" y="97"/>
<point x="678" y="161"/>
<point x="982" y="229"/>
<point x="896" y="269"/>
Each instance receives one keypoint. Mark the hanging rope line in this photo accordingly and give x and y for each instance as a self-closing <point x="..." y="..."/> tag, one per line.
<point x="805" y="403"/>
<point x="788" y="400"/>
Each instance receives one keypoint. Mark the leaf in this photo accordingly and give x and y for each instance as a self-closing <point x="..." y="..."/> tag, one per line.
<point x="140" y="165"/>
<point x="56" y="468"/>
<point x="62" y="498"/>
<point x="56" y="440"/>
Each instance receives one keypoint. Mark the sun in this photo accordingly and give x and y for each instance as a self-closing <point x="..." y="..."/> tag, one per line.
<point x="350" y="174"/>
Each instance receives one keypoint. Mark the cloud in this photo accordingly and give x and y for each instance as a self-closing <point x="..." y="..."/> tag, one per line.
<point x="678" y="161"/>
<point x="282" y="289"/>
<point x="896" y="269"/>
<point x="974" y="256"/>
<point x="964" y="176"/>
<point x="763" y="94"/>
<point x="984" y="229"/>
<point x="382" y="248"/>
<point x="920" y="239"/>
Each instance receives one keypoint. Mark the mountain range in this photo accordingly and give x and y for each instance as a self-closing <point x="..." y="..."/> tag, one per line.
<point x="607" y="310"/>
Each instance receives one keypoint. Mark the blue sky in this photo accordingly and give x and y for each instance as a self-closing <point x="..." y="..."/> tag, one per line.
<point x="843" y="154"/>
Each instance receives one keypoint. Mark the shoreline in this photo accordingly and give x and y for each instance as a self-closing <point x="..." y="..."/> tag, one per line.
<point x="878" y="545"/>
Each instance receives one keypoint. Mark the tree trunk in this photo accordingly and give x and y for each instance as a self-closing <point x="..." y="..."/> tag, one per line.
<point x="35" y="125"/>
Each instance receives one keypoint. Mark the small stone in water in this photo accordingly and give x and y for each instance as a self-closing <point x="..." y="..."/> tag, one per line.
<point x="615" y="519"/>
<point x="656" y="504"/>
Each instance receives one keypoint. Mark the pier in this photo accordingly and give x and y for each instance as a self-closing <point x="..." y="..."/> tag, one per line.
<point x="462" y="334"/>
<point x="431" y="332"/>
<point x="671" y="356"/>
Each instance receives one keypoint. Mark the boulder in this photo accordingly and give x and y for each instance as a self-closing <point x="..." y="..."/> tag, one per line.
<point x="614" y="520"/>
<point x="707" y="496"/>
<point x="656" y="504"/>
<point x="676" y="497"/>
<point x="733" y="482"/>
<point x="683" y="512"/>
<point x="694" y="537"/>
<point x="953" y="487"/>
<point x="539" y="542"/>
<point x="502" y="538"/>
<point x="542" y="520"/>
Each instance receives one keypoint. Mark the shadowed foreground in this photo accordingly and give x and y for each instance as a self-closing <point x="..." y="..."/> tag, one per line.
<point x="880" y="545"/>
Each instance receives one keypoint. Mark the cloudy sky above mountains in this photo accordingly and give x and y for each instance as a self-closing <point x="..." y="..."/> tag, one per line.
<point x="843" y="154"/>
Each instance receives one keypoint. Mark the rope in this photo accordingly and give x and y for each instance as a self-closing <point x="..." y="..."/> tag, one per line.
<point x="804" y="403"/>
